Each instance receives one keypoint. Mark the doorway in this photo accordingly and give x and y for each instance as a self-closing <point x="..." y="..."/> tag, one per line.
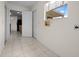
<point x="15" y="21"/>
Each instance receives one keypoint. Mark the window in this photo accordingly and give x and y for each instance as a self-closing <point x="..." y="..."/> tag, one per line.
<point x="63" y="10"/>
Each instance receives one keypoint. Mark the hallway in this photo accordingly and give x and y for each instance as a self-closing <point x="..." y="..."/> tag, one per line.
<point x="24" y="47"/>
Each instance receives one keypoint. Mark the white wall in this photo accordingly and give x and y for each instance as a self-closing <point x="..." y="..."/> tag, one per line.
<point x="5" y="22"/>
<point x="13" y="23"/>
<point x="34" y="21"/>
<point x="60" y="36"/>
<point x="2" y="25"/>
<point x="27" y="24"/>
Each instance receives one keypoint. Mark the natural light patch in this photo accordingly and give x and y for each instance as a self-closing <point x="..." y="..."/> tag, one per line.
<point x="63" y="10"/>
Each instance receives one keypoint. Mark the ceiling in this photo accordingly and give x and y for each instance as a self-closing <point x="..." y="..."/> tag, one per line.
<point x="23" y="3"/>
<point x="15" y="13"/>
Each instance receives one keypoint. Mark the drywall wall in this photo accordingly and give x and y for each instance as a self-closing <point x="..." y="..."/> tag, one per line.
<point x="27" y="24"/>
<point x="2" y="25"/>
<point x="8" y="8"/>
<point x="13" y="23"/>
<point x="34" y="24"/>
<point x="60" y="36"/>
<point x="7" y="24"/>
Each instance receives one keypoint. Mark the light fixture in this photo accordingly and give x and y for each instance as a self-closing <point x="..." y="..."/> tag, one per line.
<point x="18" y="12"/>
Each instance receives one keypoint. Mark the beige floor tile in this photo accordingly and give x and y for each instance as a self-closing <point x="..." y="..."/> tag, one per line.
<point x="18" y="46"/>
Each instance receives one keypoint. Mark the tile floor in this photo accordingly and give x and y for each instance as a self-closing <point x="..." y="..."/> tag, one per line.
<point x="18" y="46"/>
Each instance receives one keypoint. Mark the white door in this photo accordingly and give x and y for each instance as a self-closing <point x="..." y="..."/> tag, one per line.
<point x="27" y="24"/>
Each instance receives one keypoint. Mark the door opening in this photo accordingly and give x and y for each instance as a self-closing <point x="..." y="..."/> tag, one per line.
<point x="15" y="21"/>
